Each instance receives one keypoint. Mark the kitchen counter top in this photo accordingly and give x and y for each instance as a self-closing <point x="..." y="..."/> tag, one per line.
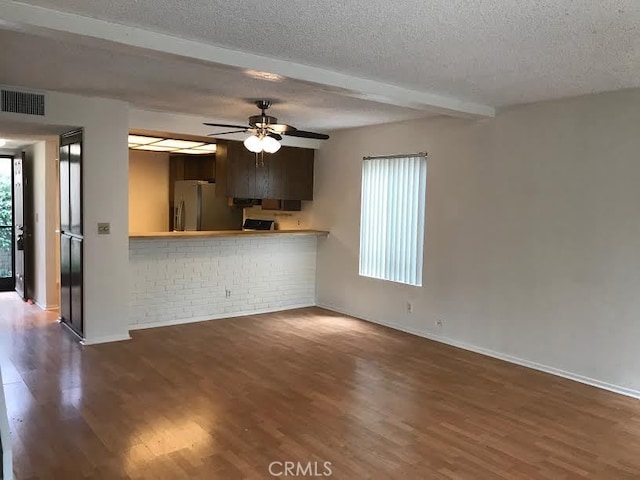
<point x="226" y="234"/>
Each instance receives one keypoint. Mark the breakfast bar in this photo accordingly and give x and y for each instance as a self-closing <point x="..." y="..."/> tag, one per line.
<point x="181" y="277"/>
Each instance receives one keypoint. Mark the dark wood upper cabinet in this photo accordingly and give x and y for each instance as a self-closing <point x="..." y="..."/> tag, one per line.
<point x="193" y="167"/>
<point x="241" y="171"/>
<point x="296" y="170"/>
<point x="285" y="175"/>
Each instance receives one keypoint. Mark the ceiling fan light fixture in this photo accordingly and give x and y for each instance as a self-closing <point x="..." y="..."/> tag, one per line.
<point x="253" y="144"/>
<point x="270" y="145"/>
<point x="266" y="131"/>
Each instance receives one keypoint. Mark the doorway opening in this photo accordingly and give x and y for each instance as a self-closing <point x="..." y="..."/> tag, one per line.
<point x="41" y="228"/>
<point x="7" y="273"/>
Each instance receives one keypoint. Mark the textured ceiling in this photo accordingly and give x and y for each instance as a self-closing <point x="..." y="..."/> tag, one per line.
<point x="494" y="52"/>
<point x="174" y="84"/>
<point x="14" y="142"/>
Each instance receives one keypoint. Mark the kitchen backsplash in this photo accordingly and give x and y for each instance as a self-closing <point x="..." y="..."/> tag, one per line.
<point x="284" y="220"/>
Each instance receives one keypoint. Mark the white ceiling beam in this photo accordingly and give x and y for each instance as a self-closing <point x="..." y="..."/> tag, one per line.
<point x="44" y="21"/>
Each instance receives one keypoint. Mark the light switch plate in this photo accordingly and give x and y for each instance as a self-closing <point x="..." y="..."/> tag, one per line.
<point x="104" y="228"/>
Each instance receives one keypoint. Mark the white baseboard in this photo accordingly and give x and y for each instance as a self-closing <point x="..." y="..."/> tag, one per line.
<point x="105" y="339"/>
<point x="221" y="316"/>
<point x="47" y="308"/>
<point x="500" y="356"/>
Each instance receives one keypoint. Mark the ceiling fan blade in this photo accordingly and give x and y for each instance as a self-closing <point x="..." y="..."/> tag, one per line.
<point x="281" y="128"/>
<point x="226" y="133"/>
<point x="303" y="134"/>
<point x="277" y="136"/>
<point x="225" y="125"/>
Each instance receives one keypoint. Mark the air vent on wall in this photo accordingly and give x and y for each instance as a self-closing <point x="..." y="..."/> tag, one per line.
<point x="22" y="102"/>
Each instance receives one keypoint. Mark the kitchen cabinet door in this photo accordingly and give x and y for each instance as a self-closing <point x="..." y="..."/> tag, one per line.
<point x="265" y="176"/>
<point x="241" y="171"/>
<point x="296" y="167"/>
<point x="275" y="187"/>
<point x="285" y="175"/>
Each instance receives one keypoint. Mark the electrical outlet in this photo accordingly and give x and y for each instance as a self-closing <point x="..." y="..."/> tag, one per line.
<point x="104" y="228"/>
<point x="409" y="307"/>
<point x="438" y="323"/>
<point x="227" y="293"/>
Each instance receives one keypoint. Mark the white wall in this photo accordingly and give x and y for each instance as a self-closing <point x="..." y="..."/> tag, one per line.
<point x="148" y="191"/>
<point x="46" y="220"/>
<point x="532" y="229"/>
<point x="183" y="280"/>
<point x="105" y="183"/>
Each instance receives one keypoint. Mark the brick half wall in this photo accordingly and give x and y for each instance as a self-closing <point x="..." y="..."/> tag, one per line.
<point x="176" y="281"/>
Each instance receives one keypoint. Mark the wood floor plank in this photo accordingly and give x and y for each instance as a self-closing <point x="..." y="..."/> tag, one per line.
<point x="224" y="399"/>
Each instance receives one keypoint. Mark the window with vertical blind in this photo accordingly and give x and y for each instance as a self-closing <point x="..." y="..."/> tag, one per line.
<point x="392" y="217"/>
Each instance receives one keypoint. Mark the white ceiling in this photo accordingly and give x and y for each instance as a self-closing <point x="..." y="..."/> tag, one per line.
<point x="488" y="51"/>
<point x="175" y="84"/>
<point x="14" y="142"/>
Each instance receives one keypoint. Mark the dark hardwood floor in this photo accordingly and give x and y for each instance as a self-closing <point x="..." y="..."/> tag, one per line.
<point x="224" y="399"/>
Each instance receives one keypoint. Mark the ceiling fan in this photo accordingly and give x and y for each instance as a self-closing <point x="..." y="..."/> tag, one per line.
<point x="266" y="131"/>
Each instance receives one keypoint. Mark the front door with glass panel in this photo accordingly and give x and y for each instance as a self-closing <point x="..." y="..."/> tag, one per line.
<point x="7" y="274"/>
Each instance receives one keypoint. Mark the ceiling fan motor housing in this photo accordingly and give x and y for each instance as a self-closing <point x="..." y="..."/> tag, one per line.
<point x="264" y="125"/>
<point x="262" y="121"/>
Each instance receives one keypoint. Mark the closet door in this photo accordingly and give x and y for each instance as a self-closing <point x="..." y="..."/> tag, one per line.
<point x="76" y="284"/>
<point x="71" y="231"/>
<point x="65" y="278"/>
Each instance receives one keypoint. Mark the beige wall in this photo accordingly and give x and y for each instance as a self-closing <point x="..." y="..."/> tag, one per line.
<point x="148" y="191"/>
<point x="105" y="192"/>
<point x="532" y="235"/>
<point x="46" y="240"/>
<point x="284" y="220"/>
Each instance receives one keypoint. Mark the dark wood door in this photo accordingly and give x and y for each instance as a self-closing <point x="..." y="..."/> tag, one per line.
<point x="75" y="187"/>
<point x="71" y="231"/>
<point x="76" y="284"/>
<point x="65" y="278"/>
<point x="29" y="223"/>
<point x="18" y="223"/>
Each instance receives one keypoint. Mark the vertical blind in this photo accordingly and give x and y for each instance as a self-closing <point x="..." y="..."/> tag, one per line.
<point x="392" y="218"/>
